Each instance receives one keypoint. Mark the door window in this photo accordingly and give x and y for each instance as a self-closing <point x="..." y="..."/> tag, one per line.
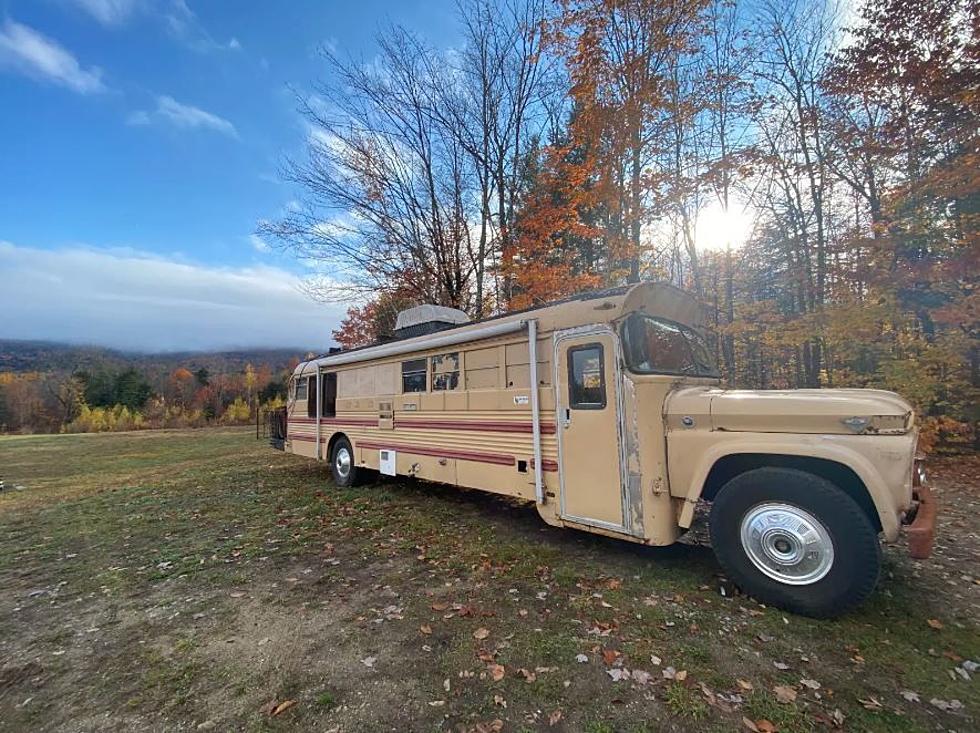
<point x="586" y="378"/>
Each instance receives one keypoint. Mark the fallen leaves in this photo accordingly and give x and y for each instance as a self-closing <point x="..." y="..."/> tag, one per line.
<point x="496" y="671"/>
<point x="759" y="726"/>
<point x="784" y="694"/>
<point x="618" y="674"/>
<point x="744" y="685"/>
<point x="947" y="706"/>
<point x="935" y="623"/>
<point x="275" y="707"/>
<point x="369" y="662"/>
<point x="481" y="633"/>
<point x="425" y="629"/>
<point x="527" y="675"/>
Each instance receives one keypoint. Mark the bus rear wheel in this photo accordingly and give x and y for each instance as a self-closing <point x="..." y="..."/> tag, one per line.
<point x="794" y="540"/>
<point x="344" y="471"/>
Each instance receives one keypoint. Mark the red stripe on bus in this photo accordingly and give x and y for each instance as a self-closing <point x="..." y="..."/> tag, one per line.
<point x="490" y="426"/>
<point x="495" y="458"/>
<point x="500" y="459"/>
<point x="334" y="421"/>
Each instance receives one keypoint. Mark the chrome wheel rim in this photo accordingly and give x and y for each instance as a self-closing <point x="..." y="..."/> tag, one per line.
<point x="787" y="543"/>
<point x="342" y="462"/>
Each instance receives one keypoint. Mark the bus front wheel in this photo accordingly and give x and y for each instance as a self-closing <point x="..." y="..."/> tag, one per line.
<point x="795" y="540"/>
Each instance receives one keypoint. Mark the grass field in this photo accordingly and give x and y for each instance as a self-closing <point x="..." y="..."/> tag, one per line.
<point x="196" y="580"/>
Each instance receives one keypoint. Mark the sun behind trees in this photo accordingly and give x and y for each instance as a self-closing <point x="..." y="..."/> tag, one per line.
<point x="586" y="143"/>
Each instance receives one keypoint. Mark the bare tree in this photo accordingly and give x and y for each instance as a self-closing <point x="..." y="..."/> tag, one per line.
<point x="388" y="192"/>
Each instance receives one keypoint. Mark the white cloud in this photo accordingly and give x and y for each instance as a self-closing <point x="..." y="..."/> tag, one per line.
<point x="24" y="50"/>
<point x="109" y="12"/>
<point x="131" y="300"/>
<point x="258" y="244"/>
<point x="184" y="25"/>
<point x="185" y="116"/>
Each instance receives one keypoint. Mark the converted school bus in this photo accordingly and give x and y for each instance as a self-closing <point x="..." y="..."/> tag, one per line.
<point x="626" y="430"/>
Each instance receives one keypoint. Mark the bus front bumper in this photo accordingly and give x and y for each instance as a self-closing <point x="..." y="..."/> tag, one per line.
<point x="921" y="530"/>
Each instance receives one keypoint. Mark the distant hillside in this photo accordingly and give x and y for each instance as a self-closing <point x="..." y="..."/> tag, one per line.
<point x="44" y="356"/>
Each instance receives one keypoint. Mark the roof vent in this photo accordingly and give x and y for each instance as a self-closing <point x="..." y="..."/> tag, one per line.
<point x="425" y="319"/>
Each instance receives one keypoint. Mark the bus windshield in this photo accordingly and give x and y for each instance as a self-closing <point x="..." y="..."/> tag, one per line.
<point x="656" y="346"/>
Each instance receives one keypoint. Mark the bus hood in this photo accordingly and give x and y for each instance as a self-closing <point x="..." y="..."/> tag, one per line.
<point x="826" y="411"/>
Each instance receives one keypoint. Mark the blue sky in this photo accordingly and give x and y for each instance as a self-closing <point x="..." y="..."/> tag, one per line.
<point x="145" y="136"/>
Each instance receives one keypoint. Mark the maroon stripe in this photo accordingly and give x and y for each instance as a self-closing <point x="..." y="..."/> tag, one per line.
<point x="548" y="465"/>
<point x="500" y="459"/>
<point x="334" y="421"/>
<point x="307" y="438"/>
<point x="491" y="426"/>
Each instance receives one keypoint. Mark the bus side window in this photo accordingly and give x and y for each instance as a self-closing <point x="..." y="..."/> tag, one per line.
<point x="445" y="372"/>
<point x="586" y="378"/>
<point x="328" y="402"/>
<point x="413" y="375"/>
<point x="311" y="397"/>
<point x="299" y="390"/>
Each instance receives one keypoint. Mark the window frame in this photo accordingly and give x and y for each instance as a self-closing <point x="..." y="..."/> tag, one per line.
<point x="311" y="396"/>
<point x="424" y="371"/>
<point x="457" y="371"/>
<point x="570" y="364"/>
<point x="297" y="383"/>
<point x="326" y="379"/>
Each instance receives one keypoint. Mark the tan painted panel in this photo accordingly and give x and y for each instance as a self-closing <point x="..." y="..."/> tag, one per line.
<point x="481" y="378"/>
<point x="518" y="376"/>
<point x="484" y="400"/>
<point x="482" y="358"/>
<point x="455" y="400"/>
<point x="432" y="401"/>
<point x="389" y="379"/>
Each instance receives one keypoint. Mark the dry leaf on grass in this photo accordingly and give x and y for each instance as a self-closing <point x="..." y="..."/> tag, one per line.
<point x="784" y="693"/>
<point x="425" y="629"/>
<point x="481" y="633"/>
<point x="744" y="684"/>
<point x="935" y="623"/>
<point x="609" y="656"/>
<point x="529" y="676"/>
<point x="496" y="671"/>
<point x="554" y="717"/>
<point x="282" y="707"/>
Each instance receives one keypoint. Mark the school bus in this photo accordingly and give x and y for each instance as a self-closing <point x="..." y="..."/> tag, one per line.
<point x="607" y="412"/>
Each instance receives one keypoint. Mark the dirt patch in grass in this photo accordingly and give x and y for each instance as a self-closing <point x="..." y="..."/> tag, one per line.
<point x="196" y="579"/>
